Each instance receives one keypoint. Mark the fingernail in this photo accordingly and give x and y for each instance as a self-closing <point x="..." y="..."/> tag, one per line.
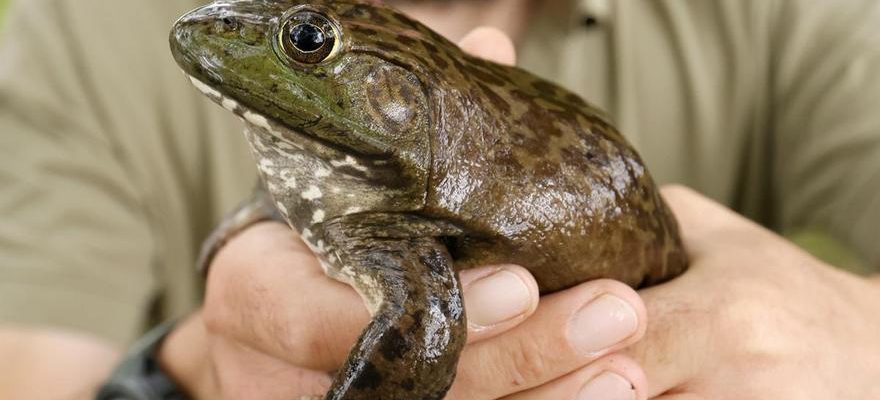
<point x="604" y="322"/>
<point x="607" y="386"/>
<point x="496" y="298"/>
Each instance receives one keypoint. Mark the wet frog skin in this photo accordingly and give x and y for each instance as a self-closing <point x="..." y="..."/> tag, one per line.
<point x="401" y="160"/>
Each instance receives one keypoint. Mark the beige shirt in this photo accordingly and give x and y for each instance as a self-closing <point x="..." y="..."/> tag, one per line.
<point x="113" y="169"/>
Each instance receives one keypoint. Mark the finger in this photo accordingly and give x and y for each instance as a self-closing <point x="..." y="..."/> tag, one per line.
<point x="491" y="44"/>
<point x="185" y="355"/>
<point x="569" y="330"/>
<point x="498" y="298"/>
<point x="611" y="377"/>
<point x="675" y="345"/>
<point x="244" y="373"/>
<point x="267" y="291"/>
<point x="683" y="315"/>
<point x="214" y="367"/>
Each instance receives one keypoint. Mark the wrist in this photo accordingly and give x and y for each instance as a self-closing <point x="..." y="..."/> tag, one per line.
<point x="140" y="375"/>
<point x="184" y="357"/>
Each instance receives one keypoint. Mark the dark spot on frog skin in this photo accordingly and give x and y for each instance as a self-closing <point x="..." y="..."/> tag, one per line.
<point x="369" y="378"/>
<point x="452" y="243"/>
<point x="435" y="37"/>
<point x="429" y="47"/>
<point x="388" y="47"/>
<point x="395" y="346"/>
<point x="379" y="19"/>
<point x="507" y="161"/>
<point x="439" y="61"/>
<point x="416" y="320"/>
<point x="486" y="77"/>
<point x="459" y="66"/>
<point x="495" y="100"/>
<point x="572" y="98"/>
<point x="545" y="87"/>
<point x="409" y="22"/>
<point x="363" y="30"/>
<point x="406" y="40"/>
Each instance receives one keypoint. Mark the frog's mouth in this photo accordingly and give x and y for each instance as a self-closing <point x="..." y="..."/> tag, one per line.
<point x="294" y="137"/>
<point x="231" y="105"/>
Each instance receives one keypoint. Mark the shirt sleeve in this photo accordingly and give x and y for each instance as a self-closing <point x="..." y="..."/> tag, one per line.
<point x="75" y="250"/>
<point x="826" y="92"/>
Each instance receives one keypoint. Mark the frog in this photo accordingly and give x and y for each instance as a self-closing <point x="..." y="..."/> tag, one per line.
<point x="401" y="160"/>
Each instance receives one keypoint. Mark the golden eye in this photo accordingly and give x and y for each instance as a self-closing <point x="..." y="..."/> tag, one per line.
<point x="308" y="37"/>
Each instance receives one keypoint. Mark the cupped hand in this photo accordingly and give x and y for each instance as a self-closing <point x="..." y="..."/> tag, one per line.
<point x="273" y="327"/>
<point x="756" y="318"/>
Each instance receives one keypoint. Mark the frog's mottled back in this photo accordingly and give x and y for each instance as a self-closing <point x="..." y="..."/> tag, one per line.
<point x="401" y="159"/>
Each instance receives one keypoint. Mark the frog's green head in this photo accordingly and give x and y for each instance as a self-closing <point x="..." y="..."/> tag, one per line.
<point x="348" y="74"/>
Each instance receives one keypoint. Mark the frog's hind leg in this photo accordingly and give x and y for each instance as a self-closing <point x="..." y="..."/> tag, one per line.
<point x="257" y="208"/>
<point x="410" y="349"/>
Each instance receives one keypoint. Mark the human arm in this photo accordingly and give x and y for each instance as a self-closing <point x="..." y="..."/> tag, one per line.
<point x="51" y="364"/>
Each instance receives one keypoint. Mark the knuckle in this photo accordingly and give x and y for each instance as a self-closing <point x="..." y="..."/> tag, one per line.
<point x="215" y="317"/>
<point x="500" y="370"/>
<point x="527" y="363"/>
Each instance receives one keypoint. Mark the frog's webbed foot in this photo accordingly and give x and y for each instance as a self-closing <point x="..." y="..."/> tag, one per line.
<point x="257" y="208"/>
<point x="410" y="349"/>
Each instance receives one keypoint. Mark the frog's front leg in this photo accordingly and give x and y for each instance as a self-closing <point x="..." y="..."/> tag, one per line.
<point x="257" y="208"/>
<point x="410" y="349"/>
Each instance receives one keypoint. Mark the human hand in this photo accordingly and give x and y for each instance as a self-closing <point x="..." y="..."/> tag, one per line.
<point x="273" y="326"/>
<point x="756" y="318"/>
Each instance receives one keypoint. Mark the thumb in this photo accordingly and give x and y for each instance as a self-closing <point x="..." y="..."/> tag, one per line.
<point x="491" y="44"/>
<point x="679" y="335"/>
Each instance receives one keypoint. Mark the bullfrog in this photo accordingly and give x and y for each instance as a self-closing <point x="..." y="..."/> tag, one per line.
<point x="401" y="160"/>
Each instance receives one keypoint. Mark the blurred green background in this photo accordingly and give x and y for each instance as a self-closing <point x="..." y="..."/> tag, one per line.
<point x="2" y="10"/>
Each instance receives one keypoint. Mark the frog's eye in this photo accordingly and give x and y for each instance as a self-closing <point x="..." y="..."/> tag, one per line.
<point x="308" y="37"/>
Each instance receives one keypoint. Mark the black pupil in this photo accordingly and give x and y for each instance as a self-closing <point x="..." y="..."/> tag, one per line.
<point x="307" y="37"/>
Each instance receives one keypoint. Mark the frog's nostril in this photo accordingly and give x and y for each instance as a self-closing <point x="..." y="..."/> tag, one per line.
<point x="230" y="23"/>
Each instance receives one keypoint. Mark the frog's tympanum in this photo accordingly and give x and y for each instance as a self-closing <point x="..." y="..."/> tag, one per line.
<point x="400" y="160"/>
